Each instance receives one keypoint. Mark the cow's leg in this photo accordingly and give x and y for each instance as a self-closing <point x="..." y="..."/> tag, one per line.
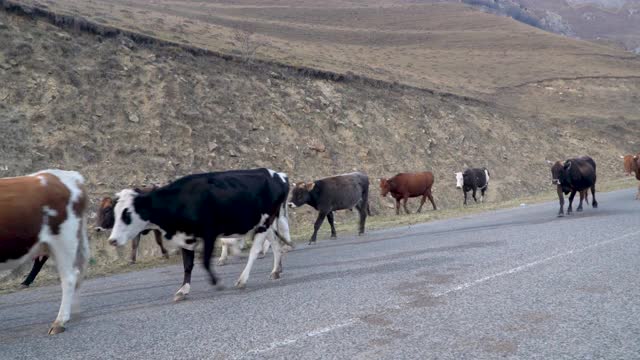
<point x="37" y="266"/>
<point x="430" y="196"/>
<point x="465" y="197"/>
<point x="258" y="239"/>
<point x="570" y="207"/>
<point x="398" y="205"/>
<point x="224" y="253"/>
<point x="209" y="242"/>
<point x="474" y="195"/>
<point x="187" y="262"/>
<point x="594" y="202"/>
<point x="316" y="226"/>
<point x="265" y="248"/>
<point x="362" y="210"/>
<point x="277" y="259"/>
<point x="158" y="237"/>
<point x="482" y="192"/>
<point x="333" y="228"/>
<point x="134" y="248"/>
<point x="579" y="209"/>
<point x="64" y="253"/>
<point x="561" y="201"/>
<point x="422" y="201"/>
<point x="404" y="204"/>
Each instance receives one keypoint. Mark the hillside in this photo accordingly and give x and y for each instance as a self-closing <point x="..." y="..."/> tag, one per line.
<point x="127" y="112"/>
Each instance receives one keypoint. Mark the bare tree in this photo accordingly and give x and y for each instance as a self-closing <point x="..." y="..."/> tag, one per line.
<point x="246" y="44"/>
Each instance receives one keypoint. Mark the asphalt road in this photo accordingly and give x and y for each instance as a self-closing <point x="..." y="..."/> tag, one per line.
<point x="515" y="284"/>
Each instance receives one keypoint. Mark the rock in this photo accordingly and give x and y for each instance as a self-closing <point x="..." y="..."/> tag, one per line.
<point x="212" y="145"/>
<point x="275" y="75"/>
<point x="5" y="66"/>
<point x="63" y="36"/>
<point x="232" y="153"/>
<point x="243" y="149"/>
<point x="134" y="118"/>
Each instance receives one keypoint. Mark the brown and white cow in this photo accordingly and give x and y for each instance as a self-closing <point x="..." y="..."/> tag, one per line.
<point x="408" y="185"/>
<point x="45" y="214"/>
<point x="627" y="162"/>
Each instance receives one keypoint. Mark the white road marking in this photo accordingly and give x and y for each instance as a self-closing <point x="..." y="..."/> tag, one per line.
<point x="353" y="321"/>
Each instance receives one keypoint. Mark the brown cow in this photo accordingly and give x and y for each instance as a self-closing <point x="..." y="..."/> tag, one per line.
<point x="407" y="185"/>
<point x="627" y="161"/>
<point x="45" y="214"/>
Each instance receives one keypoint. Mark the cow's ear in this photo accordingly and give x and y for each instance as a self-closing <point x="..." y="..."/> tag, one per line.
<point x="567" y="165"/>
<point x="310" y="186"/>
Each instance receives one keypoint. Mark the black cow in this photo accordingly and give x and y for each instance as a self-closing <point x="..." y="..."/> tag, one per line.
<point x="327" y="195"/>
<point x="473" y="179"/>
<point x="575" y="175"/>
<point x="208" y="206"/>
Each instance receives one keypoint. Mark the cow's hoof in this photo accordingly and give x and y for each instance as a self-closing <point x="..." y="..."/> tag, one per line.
<point x="334" y="237"/>
<point x="260" y="256"/>
<point x="579" y="210"/>
<point x="221" y="263"/>
<point x="165" y="255"/>
<point x="179" y="296"/>
<point x="275" y="276"/>
<point x="131" y="262"/>
<point x="312" y="242"/>
<point x="23" y="286"/>
<point x="561" y="215"/>
<point x="595" y="206"/>
<point x="56" y="329"/>
<point x="219" y="287"/>
<point x="240" y="285"/>
<point x="361" y="233"/>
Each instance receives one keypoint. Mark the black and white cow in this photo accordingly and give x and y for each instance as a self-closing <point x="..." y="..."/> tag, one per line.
<point x="473" y="179"/>
<point x="206" y="207"/>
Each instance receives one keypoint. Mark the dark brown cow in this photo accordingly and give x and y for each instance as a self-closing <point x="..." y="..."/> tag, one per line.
<point x="105" y="221"/>
<point x="572" y="176"/>
<point x="340" y="192"/>
<point x="45" y="214"/>
<point x="408" y="185"/>
<point x="627" y="162"/>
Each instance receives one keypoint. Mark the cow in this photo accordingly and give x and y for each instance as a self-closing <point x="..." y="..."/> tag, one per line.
<point x="635" y="167"/>
<point x="627" y="162"/>
<point x="207" y="206"/>
<point x="340" y="192"/>
<point x="574" y="175"/>
<point x="105" y="221"/>
<point x="473" y="179"/>
<point x="45" y="214"/>
<point x="407" y="185"/>
<point x="234" y="246"/>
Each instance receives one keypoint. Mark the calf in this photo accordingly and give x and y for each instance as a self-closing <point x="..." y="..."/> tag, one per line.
<point x="473" y="179"/>
<point x="206" y="207"/>
<point x="627" y="163"/>
<point x="45" y="214"/>
<point x="574" y="175"/>
<point x="327" y="195"/>
<point x="407" y="185"/>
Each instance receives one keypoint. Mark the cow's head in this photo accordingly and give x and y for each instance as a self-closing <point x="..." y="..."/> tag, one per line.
<point x="385" y="187"/>
<point x="131" y="208"/>
<point x="105" y="218"/>
<point x="459" y="180"/>
<point x="558" y="172"/>
<point x="301" y="194"/>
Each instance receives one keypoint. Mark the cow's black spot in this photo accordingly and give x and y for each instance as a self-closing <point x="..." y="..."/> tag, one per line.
<point x="126" y="217"/>
<point x="190" y="241"/>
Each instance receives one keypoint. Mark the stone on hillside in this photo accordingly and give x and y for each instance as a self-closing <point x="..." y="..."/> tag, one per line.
<point x="134" y="118"/>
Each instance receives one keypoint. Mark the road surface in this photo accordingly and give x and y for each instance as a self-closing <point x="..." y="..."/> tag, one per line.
<point x="515" y="284"/>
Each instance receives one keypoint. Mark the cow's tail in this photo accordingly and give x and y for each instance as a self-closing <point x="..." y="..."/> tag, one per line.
<point x="284" y="216"/>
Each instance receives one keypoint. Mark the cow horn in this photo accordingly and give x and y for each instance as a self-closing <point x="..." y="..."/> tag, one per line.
<point x="567" y="164"/>
<point x="310" y="186"/>
<point x="621" y="157"/>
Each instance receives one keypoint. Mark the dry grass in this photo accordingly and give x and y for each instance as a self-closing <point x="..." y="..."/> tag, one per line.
<point x="444" y="46"/>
